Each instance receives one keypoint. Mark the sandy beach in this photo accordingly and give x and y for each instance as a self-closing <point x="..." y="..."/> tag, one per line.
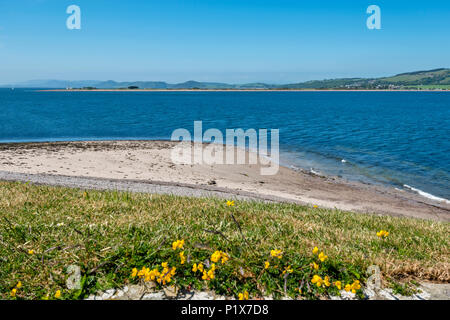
<point x="150" y="161"/>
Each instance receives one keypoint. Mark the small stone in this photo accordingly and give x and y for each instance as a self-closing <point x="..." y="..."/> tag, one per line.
<point x="347" y="295"/>
<point x="154" y="296"/>
<point x="99" y="295"/>
<point x="135" y="292"/>
<point x="171" y="292"/>
<point x="369" y="293"/>
<point x="201" y="295"/>
<point x="108" y="294"/>
<point x="387" y="294"/>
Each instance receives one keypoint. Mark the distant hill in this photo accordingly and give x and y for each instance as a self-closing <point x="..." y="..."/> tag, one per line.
<point x="417" y="79"/>
<point x="429" y="79"/>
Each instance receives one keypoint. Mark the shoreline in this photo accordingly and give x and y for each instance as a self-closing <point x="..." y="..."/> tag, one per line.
<point x="239" y="90"/>
<point x="135" y="162"/>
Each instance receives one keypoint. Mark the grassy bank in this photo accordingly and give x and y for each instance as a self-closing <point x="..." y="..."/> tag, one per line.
<point x="44" y="230"/>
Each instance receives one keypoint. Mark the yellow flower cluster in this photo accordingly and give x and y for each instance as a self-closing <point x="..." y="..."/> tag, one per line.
<point x="266" y="265"/>
<point x="163" y="277"/>
<point x="322" y="257"/>
<point x="198" y="267"/>
<point x="182" y="257"/>
<point x="318" y="281"/>
<point x="219" y="255"/>
<point x="58" y="294"/>
<point x="243" y="296"/>
<point x="31" y="251"/>
<point x="338" y="285"/>
<point x="276" y="253"/>
<point x="209" y="275"/>
<point x="382" y="233"/>
<point x="230" y="203"/>
<point x="177" y="244"/>
<point x="353" y="287"/>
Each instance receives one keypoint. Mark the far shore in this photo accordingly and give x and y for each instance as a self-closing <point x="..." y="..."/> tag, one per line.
<point x="242" y="90"/>
<point x="150" y="162"/>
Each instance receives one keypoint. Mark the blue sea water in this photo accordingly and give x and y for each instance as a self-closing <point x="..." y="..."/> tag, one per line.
<point x="395" y="138"/>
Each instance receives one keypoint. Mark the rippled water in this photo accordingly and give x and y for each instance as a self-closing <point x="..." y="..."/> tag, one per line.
<point x="396" y="138"/>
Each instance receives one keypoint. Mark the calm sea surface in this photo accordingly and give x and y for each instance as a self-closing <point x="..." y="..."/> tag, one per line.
<point x="395" y="138"/>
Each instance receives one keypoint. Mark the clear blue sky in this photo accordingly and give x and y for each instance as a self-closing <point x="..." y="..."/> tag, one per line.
<point x="212" y="40"/>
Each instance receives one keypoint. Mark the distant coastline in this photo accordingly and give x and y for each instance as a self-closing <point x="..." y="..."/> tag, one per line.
<point x="429" y="80"/>
<point x="243" y="90"/>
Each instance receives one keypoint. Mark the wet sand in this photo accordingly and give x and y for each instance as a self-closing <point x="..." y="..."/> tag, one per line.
<point x="150" y="162"/>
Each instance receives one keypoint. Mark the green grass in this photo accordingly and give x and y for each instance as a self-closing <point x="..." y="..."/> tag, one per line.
<point x="107" y="234"/>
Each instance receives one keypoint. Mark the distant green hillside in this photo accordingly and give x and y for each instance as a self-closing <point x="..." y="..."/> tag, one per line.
<point x="430" y="79"/>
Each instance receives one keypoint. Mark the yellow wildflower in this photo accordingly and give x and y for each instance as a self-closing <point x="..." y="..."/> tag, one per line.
<point x="243" y="296"/>
<point x="315" y="250"/>
<point x="317" y="280"/>
<point x="19" y="285"/>
<point x="177" y="244"/>
<point x="266" y="265"/>
<point x="215" y="256"/>
<point x="225" y="258"/>
<point x="326" y="281"/>
<point x="58" y="294"/>
<point x="209" y="275"/>
<point x="194" y="268"/>
<point x="338" y="285"/>
<point x="315" y="266"/>
<point x="134" y="272"/>
<point x="355" y="286"/>
<point x="382" y="233"/>
<point x="13" y="292"/>
<point x="182" y="257"/>
<point x="348" y="287"/>
<point x="322" y="256"/>
<point x="230" y="203"/>
<point x="219" y="255"/>
<point x="288" y="270"/>
<point x="31" y="251"/>
<point x="276" y="253"/>
<point x="315" y="206"/>
<point x="200" y="267"/>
